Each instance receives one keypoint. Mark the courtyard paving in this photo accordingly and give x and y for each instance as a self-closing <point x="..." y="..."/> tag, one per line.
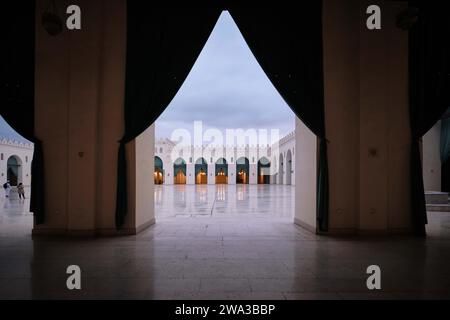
<point x="221" y="242"/>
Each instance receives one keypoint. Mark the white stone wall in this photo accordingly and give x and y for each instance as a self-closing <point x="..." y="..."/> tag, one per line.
<point x="24" y="153"/>
<point x="281" y="173"/>
<point x="169" y="152"/>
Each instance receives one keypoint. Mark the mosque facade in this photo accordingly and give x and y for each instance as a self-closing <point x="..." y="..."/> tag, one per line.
<point x="224" y="164"/>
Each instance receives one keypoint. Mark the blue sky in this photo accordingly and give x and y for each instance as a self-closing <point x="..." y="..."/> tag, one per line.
<point x="226" y="89"/>
<point x="6" y="131"/>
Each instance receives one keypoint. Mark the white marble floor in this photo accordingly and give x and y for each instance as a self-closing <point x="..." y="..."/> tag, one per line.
<point x="270" y="202"/>
<point x="222" y="242"/>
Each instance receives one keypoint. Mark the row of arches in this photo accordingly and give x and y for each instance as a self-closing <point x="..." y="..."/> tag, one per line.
<point x="221" y="171"/>
<point x="285" y="165"/>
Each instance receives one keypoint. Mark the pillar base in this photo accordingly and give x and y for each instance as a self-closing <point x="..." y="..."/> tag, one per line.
<point x="104" y="232"/>
<point x="305" y="225"/>
<point x="368" y="232"/>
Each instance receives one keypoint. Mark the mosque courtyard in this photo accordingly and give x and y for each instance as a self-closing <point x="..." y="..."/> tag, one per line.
<point x="221" y="242"/>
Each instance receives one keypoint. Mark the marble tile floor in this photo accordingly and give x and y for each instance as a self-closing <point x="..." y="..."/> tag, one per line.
<point x="221" y="242"/>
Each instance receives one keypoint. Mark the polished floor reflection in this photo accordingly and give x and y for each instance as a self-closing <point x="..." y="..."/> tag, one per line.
<point x="222" y="242"/>
<point x="218" y="202"/>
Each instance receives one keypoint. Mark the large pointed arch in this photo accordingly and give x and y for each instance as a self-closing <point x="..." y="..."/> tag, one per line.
<point x="155" y="73"/>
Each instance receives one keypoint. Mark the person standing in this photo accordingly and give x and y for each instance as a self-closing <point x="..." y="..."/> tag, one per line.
<point x="21" y="191"/>
<point x="7" y="187"/>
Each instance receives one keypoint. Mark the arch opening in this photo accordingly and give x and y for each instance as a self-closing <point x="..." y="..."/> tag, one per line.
<point x="221" y="171"/>
<point x="242" y="170"/>
<point x="14" y="170"/>
<point x="159" y="171"/>
<point x="179" y="169"/>
<point x="201" y="171"/>
<point x="263" y="171"/>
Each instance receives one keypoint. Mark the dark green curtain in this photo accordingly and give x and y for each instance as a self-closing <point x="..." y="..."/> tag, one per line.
<point x="445" y="151"/>
<point x="445" y="140"/>
<point x="429" y="91"/>
<point x="163" y="43"/>
<point x="286" y="40"/>
<point x="17" y="57"/>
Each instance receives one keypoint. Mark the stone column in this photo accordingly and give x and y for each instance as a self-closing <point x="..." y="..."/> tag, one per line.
<point x="190" y="173"/>
<point x="253" y="174"/>
<point x="211" y="173"/>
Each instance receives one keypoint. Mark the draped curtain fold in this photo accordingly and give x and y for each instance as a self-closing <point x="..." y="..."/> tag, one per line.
<point x="429" y="91"/>
<point x="445" y="140"/>
<point x="17" y="56"/>
<point x="286" y="40"/>
<point x="445" y="151"/>
<point x="163" y="44"/>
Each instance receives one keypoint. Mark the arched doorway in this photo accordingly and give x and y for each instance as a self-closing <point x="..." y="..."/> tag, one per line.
<point x="288" y="167"/>
<point x="201" y="171"/>
<point x="179" y="169"/>
<point x="280" y="169"/>
<point x="242" y="170"/>
<point x="14" y="170"/>
<point x="221" y="171"/>
<point x="263" y="171"/>
<point x="159" y="171"/>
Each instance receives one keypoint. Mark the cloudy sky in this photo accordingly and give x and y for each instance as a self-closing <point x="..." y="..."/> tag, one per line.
<point x="226" y="89"/>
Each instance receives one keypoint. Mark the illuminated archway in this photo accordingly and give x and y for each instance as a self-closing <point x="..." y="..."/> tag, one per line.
<point x="242" y="170"/>
<point x="201" y="171"/>
<point x="275" y="171"/>
<point x="14" y="170"/>
<point x="221" y="171"/>
<point x="179" y="169"/>
<point x="159" y="171"/>
<point x="263" y="171"/>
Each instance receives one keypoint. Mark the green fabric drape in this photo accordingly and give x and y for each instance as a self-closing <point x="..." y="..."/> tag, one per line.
<point x="17" y="57"/>
<point x="163" y="43"/>
<point x="445" y="140"/>
<point x="286" y="40"/>
<point x="445" y="152"/>
<point x="429" y="91"/>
